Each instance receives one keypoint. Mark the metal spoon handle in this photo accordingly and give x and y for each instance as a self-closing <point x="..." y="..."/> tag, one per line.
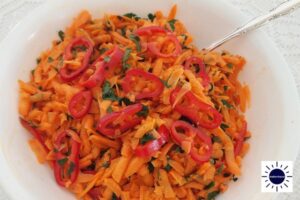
<point x="283" y="9"/>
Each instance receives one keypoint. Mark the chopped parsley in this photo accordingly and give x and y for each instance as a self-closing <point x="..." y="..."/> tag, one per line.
<point x="71" y="168"/>
<point x="69" y="117"/>
<point x="126" y="56"/>
<point x="38" y="60"/>
<point x="165" y="82"/>
<point x="108" y="92"/>
<point x="102" y="50"/>
<point x="150" y="167"/>
<point x="225" y="88"/>
<point x="216" y="139"/>
<point x="230" y="65"/>
<point x="50" y="59"/>
<point x="106" y="59"/>
<point x="136" y="40"/>
<point x="123" y="31"/>
<point x="226" y="104"/>
<point x="62" y="162"/>
<point x="125" y="100"/>
<point x="210" y="185"/>
<point x="32" y="72"/>
<point x="151" y="16"/>
<point x="177" y="149"/>
<point x="144" y="112"/>
<point x="106" y="164"/>
<point x="224" y="126"/>
<point x="114" y="196"/>
<point x="212" y="195"/>
<point x="109" y="109"/>
<point x="220" y="169"/>
<point x="168" y="167"/>
<point x="172" y="24"/>
<point x="146" y="138"/>
<point x="132" y="16"/>
<point x="61" y="35"/>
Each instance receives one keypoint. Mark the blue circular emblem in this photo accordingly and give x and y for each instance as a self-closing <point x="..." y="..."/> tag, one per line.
<point x="277" y="176"/>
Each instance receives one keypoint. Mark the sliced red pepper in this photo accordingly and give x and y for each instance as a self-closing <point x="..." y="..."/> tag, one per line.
<point x="157" y="86"/>
<point x="200" y="113"/>
<point x="153" y="146"/>
<point x="188" y="137"/>
<point x="80" y="104"/>
<point x="116" y="123"/>
<point x="202" y="73"/>
<point x="103" y="68"/>
<point x="65" y="73"/>
<point x="150" y="30"/>
<point x="66" y="171"/>
<point x="155" y="50"/>
<point x="240" y="139"/>
<point x="36" y="134"/>
<point x="95" y="193"/>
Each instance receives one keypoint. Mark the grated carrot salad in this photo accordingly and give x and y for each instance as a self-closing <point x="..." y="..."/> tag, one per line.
<point x="162" y="120"/>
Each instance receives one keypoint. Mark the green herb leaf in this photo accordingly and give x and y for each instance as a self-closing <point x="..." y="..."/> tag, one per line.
<point x="125" y="100"/>
<point x="151" y="16"/>
<point x="225" y="88"/>
<point x="146" y="138"/>
<point x="71" y="168"/>
<point x="102" y="50"/>
<point x="177" y="149"/>
<point x="224" y="126"/>
<point x="220" y="169"/>
<point x="69" y="117"/>
<point x="109" y="109"/>
<point x="102" y="152"/>
<point x="230" y="65"/>
<point x="106" y="164"/>
<point x="50" y="59"/>
<point x="216" y="139"/>
<point x="123" y="31"/>
<point x="184" y="38"/>
<point x="38" y="60"/>
<point x="168" y="167"/>
<point x="144" y="112"/>
<point x="165" y="82"/>
<point x="114" y="196"/>
<point x="62" y="162"/>
<point x="150" y="167"/>
<point x="125" y="58"/>
<point x="108" y="92"/>
<point x="132" y="16"/>
<point x="106" y="59"/>
<point x="212" y="195"/>
<point x="212" y="161"/>
<point x="210" y="185"/>
<point x="172" y="24"/>
<point x="61" y="35"/>
<point x="226" y="104"/>
<point x="136" y="40"/>
<point x="32" y="72"/>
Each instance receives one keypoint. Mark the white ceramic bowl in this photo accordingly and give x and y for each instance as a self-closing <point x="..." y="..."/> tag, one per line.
<point x="273" y="118"/>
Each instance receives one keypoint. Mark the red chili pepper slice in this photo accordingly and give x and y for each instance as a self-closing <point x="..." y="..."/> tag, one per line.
<point x="197" y="111"/>
<point x="150" y="30"/>
<point x="188" y="137"/>
<point x="201" y="71"/>
<point x="66" y="167"/>
<point x="65" y="73"/>
<point x="104" y="68"/>
<point x="36" y="134"/>
<point x="80" y="104"/>
<point x="240" y="139"/>
<point x="95" y="193"/>
<point x="116" y="123"/>
<point x="153" y="146"/>
<point x="155" y="50"/>
<point x="156" y="84"/>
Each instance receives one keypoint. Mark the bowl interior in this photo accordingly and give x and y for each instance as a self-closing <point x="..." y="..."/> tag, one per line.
<point x="273" y="117"/>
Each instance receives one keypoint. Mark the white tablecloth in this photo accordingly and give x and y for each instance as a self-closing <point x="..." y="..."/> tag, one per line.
<point x="284" y="32"/>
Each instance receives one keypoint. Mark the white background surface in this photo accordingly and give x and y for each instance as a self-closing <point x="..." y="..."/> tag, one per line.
<point x="284" y="32"/>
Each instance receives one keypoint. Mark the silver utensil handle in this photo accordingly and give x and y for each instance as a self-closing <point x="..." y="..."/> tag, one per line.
<point x="283" y="9"/>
